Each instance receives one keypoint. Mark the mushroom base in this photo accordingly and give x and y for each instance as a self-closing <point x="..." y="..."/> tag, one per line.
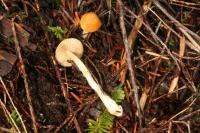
<point x="109" y="103"/>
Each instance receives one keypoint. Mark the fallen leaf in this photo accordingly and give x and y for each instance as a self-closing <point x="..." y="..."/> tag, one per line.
<point x="7" y="61"/>
<point x="11" y="58"/>
<point x="23" y="35"/>
<point x="5" y="68"/>
<point x="182" y="46"/>
<point x="175" y="80"/>
<point x="143" y="100"/>
<point x="173" y="84"/>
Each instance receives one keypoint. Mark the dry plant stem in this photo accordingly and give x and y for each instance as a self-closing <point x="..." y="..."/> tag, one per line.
<point x="8" y="116"/>
<point x="173" y="31"/>
<point x="157" y="39"/>
<point x="184" y="110"/>
<point x="5" y="6"/>
<point x="24" y="74"/>
<point x="37" y="5"/>
<point x="193" y="6"/>
<point x="132" y="36"/>
<point x="15" y="108"/>
<point x="177" y="23"/>
<point x="189" y="115"/>
<point x="182" y="28"/>
<point x="67" y="15"/>
<point x="6" y="130"/>
<point x="186" y="3"/>
<point x="97" y="71"/>
<point x="26" y="3"/>
<point x="25" y="7"/>
<point x="170" y="127"/>
<point x="110" y="104"/>
<point x="62" y="124"/>
<point x="187" y="77"/>
<point x="135" y="30"/>
<point x="68" y="121"/>
<point x="175" y="80"/>
<point x="128" y="58"/>
<point x="185" y="123"/>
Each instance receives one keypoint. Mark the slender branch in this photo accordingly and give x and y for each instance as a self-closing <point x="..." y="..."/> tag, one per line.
<point x="24" y="74"/>
<point x="5" y="6"/>
<point x="182" y="28"/>
<point x="157" y="39"/>
<point x="7" y="130"/>
<point x="128" y="58"/>
<point x="67" y="15"/>
<point x="7" y="113"/>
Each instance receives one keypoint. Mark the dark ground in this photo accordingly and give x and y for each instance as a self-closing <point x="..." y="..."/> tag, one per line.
<point x="157" y="54"/>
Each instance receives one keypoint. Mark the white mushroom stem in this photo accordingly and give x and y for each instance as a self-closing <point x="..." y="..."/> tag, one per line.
<point x="109" y="103"/>
<point x="85" y="34"/>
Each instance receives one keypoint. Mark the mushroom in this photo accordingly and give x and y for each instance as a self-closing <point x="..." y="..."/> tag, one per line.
<point x="71" y="49"/>
<point x="71" y="44"/>
<point x="90" y="22"/>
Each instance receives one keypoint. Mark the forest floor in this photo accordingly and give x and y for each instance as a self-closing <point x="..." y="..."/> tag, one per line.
<point x="145" y="56"/>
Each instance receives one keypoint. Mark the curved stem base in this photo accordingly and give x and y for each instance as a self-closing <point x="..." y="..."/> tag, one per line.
<point x="109" y="103"/>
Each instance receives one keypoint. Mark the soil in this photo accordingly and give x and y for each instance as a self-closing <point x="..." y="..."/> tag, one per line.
<point x="61" y="98"/>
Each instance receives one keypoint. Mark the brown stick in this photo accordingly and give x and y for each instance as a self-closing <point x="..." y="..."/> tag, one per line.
<point x="158" y="40"/>
<point x="128" y="59"/>
<point x="187" y="32"/>
<point x="24" y="74"/>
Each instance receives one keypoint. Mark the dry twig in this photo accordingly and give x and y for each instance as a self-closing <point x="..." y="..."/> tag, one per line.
<point x="25" y="77"/>
<point x="157" y="39"/>
<point x="187" y="32"/>
<point x="128" y="59"/>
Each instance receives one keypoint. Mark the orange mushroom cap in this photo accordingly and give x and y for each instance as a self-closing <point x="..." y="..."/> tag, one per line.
<point x="90" y="22"/>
